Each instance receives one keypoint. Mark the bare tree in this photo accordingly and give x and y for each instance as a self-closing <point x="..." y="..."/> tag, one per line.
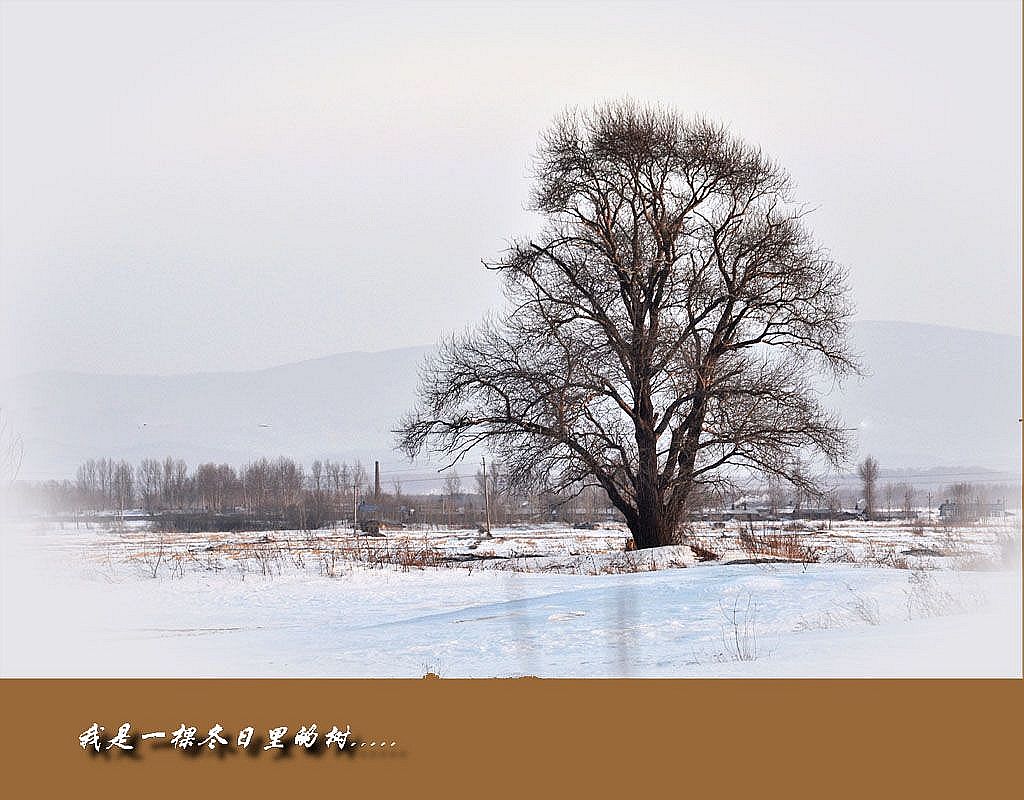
<point x="359" y="478"/>
<point x="174" y="482"/>
<point x="317" y="497"/>
<point x="215" y="486"/>
<point x="149" y="477"/>
<point x="256" y="486"/>
<point x="867" y="471"/>
<point x="907" y="494"/>
<point x="452" y="484"/>
<point x="801" y="494"/>
<point x="452" y="489"/>
<point x="889" y="489"/>
<point x="662" y="327"/>
<point x="776" y="495"/>
<point x="340" y="484"/>
<point x="105" y="476"/>
<point x="123" y="486"/>
<point x="967" y="499"/>
<point x="87" y="484"/>
<point x="499" y="489"/>
<point x="481" y="479"/>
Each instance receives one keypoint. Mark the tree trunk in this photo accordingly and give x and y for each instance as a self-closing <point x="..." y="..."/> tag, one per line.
<point x="653" y="529"/>
<point x="649" y="526"/>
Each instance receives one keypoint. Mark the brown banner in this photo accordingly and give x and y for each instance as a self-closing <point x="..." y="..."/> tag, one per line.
<point x="495" y="738"/>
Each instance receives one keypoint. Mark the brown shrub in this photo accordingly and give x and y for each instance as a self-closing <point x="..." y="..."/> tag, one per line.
<point x="779" y="544"/>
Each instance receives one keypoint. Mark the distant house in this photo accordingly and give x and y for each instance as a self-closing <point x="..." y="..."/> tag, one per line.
<point x="822" y="513"/>
<point x="367" y="509"/>
<point x="955" y="511"/>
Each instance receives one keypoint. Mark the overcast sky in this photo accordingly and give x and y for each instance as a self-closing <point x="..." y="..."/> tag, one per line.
<point x="196" y="187"/>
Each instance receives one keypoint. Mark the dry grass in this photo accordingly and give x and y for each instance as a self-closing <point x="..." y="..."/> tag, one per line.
<point x="875" y="555"/>
<point x="822" y="621"/>
<point x="863" y="608"/>
<point x="739" y="630"/>
<point x="631" y="561"/>
<point x="333" y="554"/>
<point x="778" y="544"/>
<point x="927" y="598"/>
<point x="703" y="548"/>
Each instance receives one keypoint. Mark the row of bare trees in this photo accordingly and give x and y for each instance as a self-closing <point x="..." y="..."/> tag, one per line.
<point x="903" y="499"/>
<point x="285" y="490"/>
<point x="899" y="497"/>
<point x="264" y="487"/>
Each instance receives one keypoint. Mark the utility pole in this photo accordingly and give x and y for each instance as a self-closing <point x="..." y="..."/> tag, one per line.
<point x="487" y="498"/>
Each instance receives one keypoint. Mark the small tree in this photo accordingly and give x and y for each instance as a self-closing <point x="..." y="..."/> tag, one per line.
<point x="123" y="486"/>
<point x="452" y="484"/>
<point x="890" y="497"/>
<point x="149" y="477"/>
<point x="452" y="490"/>
<point x="867" y="470"/>
<point x="907" y="495"/>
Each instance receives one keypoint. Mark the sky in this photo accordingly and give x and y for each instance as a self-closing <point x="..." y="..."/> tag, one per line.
<point x="191" y="187"/>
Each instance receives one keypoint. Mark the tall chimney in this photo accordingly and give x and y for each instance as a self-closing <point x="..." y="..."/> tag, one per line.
<point x="376" y="482"/>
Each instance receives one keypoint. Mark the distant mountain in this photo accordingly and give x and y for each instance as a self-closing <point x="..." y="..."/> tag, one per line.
<point x="340" y="406"/>
<point x="935" y="396"/>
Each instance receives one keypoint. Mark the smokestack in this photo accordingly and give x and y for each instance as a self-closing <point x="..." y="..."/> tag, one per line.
<point x="376" y="481"/>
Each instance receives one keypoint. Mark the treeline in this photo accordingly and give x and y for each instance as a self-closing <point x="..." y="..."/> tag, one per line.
<point x="279" y="489"/>
<point x="282" y="492"/>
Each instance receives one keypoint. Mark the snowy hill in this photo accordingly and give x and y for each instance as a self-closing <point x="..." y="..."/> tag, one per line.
<point x="935" y="396"/>
<point x="341" y="406"/>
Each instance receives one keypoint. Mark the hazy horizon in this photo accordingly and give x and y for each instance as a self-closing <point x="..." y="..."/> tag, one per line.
<point x="907" y="411"/>
<point x="233" y="186"/>
<point x="419" y="346"/>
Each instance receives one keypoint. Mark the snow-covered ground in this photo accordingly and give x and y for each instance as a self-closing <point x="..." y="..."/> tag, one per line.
<point x="882" y="600"/>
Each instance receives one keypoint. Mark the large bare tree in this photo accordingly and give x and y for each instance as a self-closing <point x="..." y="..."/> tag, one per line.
<point x="663" y="327"/>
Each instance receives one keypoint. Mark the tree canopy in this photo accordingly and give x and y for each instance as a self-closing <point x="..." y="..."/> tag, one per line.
<point x="662" y="328"/>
